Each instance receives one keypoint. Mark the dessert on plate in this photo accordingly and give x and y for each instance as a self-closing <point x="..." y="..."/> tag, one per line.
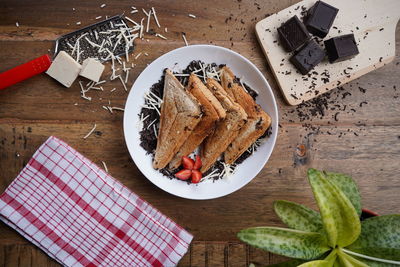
<point x="204" y="122"/>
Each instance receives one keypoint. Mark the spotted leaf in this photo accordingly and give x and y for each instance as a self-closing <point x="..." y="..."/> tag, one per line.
<point x="298" y="217"/>
<point x="286" y="242"/>
<point x="290" y="263"/>
<point x="380" y="237"/>
<point x="331" y="258"/>
<point x="348" y="261"/>
<point x="317" y="263"/>
<point x="340" y="219"/>
<point x="347" y="185"/>
<point x="372" y="263"/>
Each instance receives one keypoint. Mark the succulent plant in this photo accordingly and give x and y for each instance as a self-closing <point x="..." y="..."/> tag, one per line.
<point x="334" y="236"/>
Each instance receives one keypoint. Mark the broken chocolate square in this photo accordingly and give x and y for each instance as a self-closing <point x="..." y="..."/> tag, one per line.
<point x="341" y="48"/>
<point x="320" y="18"/>
<point x="308" y="57"/>
<point x="293" y="34"/>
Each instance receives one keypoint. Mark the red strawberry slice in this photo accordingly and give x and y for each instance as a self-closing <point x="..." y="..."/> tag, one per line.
<point x="197" y="163"/>
<point x="183" y="174"/>
<point x="196" y="176"/>
<point x="187" y="163"/>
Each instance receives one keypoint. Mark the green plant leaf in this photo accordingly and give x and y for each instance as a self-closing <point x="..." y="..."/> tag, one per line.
<point x="380" y="237"/>
<point x="298" y="217"/>
<point x="331" y="258"/>
<point x="348" y="186"/>
<point x="290" y="263"/>
<point x="286" y="242"/>
<point x="340" y="219"/>
<point x="371" y="260"/>
<point x="348" y="261"/>
<point x="372" y="263"/>
<point x="317" y="263"/>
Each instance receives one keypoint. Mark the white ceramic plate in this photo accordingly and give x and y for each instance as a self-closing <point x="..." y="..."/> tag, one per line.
<point x="242" y="67"/>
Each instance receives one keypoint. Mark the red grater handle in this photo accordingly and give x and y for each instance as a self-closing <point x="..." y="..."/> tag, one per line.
<point x="24" y="71"/>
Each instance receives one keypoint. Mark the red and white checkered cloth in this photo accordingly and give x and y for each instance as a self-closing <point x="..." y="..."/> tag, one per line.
<point x="81" y="216"/>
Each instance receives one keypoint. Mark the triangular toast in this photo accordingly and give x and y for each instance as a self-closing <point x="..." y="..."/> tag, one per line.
<point x="226" y="131"/>
<point x="257" y="123"/>
<point x="180" y="113"/>
<point x="212" y="113"/>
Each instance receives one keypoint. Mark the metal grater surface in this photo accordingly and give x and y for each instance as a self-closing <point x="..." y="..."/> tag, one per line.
<point x="102" y="36"/>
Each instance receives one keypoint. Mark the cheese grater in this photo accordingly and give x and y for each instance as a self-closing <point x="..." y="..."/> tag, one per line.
<point x="94" y="37"/>
<point x="102" y="40"/>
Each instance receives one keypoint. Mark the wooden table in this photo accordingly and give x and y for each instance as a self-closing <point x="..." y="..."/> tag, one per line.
<point x="365" y="143"/>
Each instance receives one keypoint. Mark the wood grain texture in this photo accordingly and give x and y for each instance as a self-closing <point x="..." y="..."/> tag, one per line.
<point x="37" y="108"/>
<point x="201" y="253"/>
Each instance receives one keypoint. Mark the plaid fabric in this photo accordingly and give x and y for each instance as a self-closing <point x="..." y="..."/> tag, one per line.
<point x="81" y="216"/>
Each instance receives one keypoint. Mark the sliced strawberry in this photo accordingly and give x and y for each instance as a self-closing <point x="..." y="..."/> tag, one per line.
<point x="197" y="163"/>
<point x="187" y="163"/>
<point x="196" y="176"/>
<point x="183" y="174"/>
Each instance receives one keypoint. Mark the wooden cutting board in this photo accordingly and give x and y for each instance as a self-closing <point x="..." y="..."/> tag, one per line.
<point x="373" y="23"/>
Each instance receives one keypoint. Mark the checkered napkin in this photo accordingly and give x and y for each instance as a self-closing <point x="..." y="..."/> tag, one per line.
<point x="81" y="216"/>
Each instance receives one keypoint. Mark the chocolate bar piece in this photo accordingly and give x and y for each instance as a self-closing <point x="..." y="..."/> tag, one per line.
<point x="320" y="18"/>
<point x="293" y="34"/>
<point x="308" y="57"/>
<point x="341" y="48"/>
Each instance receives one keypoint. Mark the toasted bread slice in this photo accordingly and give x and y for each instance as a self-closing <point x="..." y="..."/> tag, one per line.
<point x="226" y="131"/>
<point x="180" y="113"/>
<point x="257" y="123"/>
<point x="212" y="113"/>
<point x="237" y="92"/>
<point x="251" y="131"/>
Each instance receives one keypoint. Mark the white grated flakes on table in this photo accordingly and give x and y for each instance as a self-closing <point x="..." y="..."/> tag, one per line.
<point x="148" y="21"/>
<point x="90" y="132"/>
<point x="161" y="36"/>
<point x="105" y="166"/>
<point x="106" y="42"/>
<point x="184" y="38"/>
<point x="138" y="55"/>
<point x="155" y="17"/>
<point x="118" y="108"/>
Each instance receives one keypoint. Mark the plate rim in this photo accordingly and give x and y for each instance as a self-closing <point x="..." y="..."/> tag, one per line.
<point x="274" y="123"/>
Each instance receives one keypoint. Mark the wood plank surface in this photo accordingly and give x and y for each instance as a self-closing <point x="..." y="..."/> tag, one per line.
<point x="358" y="134"/>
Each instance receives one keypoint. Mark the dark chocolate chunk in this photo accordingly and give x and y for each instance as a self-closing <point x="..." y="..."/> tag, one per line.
<point x="341" y="48"/>
<point x="293" y="34"/>
<point x="308" y="57"/>
<point x="320" y="18"/>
